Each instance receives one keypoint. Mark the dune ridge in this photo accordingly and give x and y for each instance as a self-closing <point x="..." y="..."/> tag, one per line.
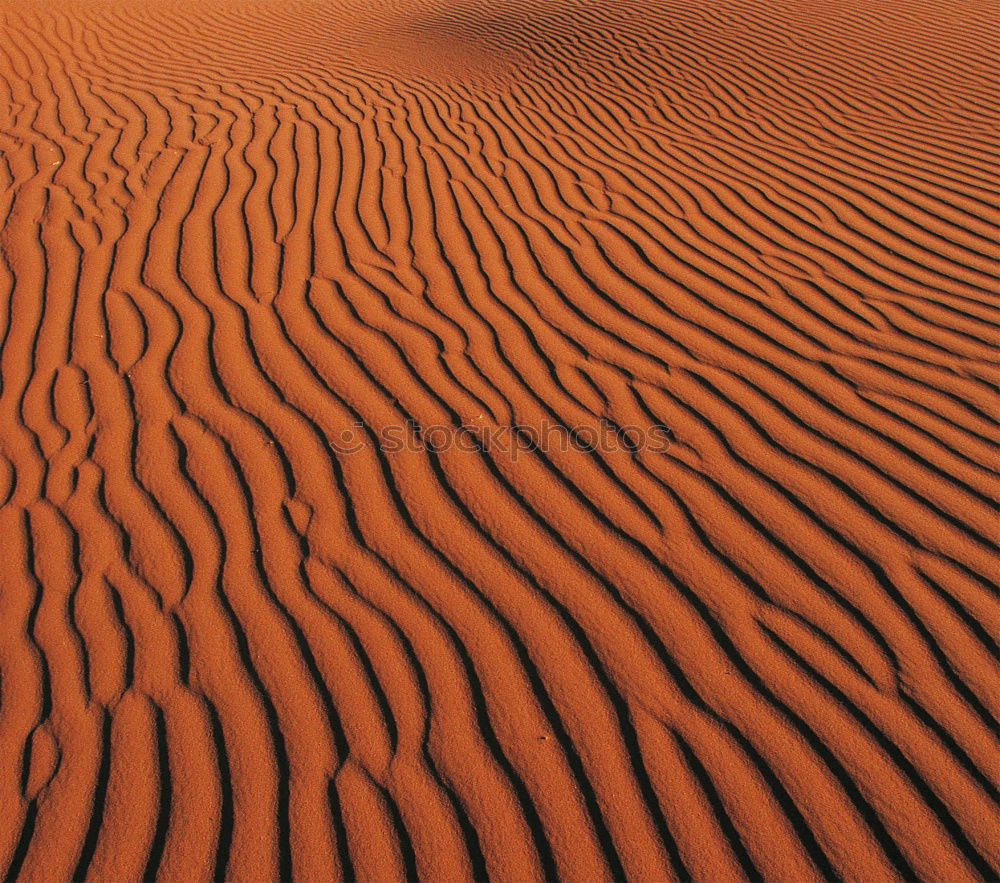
<point x="238" y="237"/>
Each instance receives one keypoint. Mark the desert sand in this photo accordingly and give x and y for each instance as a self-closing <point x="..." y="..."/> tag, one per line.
<point x="508" y="439"/>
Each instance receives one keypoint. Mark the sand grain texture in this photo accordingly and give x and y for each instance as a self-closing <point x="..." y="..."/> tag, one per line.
<point x="241" y="237"/>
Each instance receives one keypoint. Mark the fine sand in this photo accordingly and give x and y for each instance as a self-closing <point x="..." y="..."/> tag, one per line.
<point x="256" y="624"/>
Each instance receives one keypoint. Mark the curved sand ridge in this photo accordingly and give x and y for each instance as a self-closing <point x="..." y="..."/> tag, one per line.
<point x="238" y="238"/>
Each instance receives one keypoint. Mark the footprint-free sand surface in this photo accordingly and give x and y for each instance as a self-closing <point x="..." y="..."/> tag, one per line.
<point x="509" y="439"/>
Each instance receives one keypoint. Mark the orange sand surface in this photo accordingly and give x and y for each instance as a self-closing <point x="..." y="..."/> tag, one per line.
<point x="696" y="578"/>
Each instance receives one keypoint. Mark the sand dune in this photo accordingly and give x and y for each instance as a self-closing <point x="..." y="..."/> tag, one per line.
<point x="282" y="591"/>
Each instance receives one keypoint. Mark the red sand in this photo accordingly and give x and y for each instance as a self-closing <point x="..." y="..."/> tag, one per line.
<point x="245" y="243"/>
